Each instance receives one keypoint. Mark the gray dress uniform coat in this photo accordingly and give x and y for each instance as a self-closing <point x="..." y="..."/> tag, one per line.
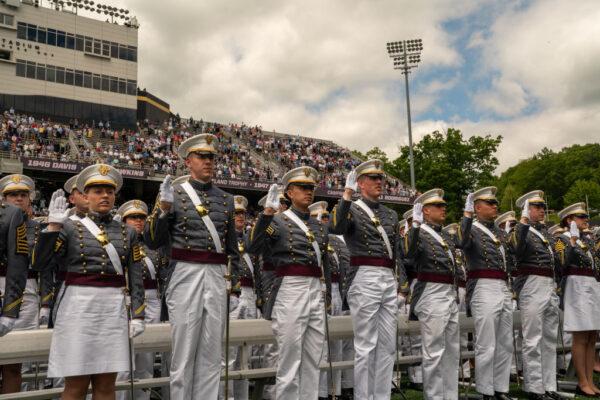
<point x="364" y="241"/>
<point x="183" y="230"/>
<point x="288" y="246"/>
<point x="482" y="255"/>
<point x="532" y="255"/>
<point x="431" y="260"/>
<point x="14" y="258"/>
<point x="46" y="276"/>
<point x="82" y="255"/>
<point x="339" y="268"/>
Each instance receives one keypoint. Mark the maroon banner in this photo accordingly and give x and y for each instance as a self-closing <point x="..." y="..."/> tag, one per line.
<point x="74" y="167"/>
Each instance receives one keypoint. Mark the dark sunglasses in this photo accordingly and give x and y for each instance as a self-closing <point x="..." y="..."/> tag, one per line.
<point x="582" y="216"/>
<point x="491" y="202"/>
<point x="204" y="156"/>
<point x="375" y="177"/>
<point x="136" y="216"/>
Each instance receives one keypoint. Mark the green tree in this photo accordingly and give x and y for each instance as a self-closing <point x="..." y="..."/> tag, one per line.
<point x="449" y="161"/>
<point x="377" y="153"/>
<point x="507" y="202"/>
<point x="583" y="190"/>
<point x="554" y="173"/>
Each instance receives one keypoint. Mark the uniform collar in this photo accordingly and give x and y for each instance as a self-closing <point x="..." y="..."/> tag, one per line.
<point x="435" y="227"/>
<point x="200" y="185"/>
<point x="102" y="218"/>
<point x="538" y="225"/>
<point x="488" y="224"/>
<point x="239" y="234"/>
<point x="303" y="215"/>
<point x="370" y="203"/>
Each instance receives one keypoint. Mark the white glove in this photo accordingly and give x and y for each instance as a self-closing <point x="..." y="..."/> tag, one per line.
<point x="417" y="214"/>
<point x="273" y="197"/>
<point x="507" y="227"/>
<point x="58" y="208"/>
<point x="136" y="327"/>
<point x="117" y="217"/>
<point x="167" y="193"/>
<point x="574" y="230"/>
<point x="525" y="212"/>
<point x="6" y="325"/>
<point x="44" y="315"/>
<point x="470" y="203"/>
<point x="351" y="181"/>
<point x="406" y="227"/>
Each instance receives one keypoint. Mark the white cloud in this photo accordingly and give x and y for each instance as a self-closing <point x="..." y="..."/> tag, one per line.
<point x="319" y="68"/>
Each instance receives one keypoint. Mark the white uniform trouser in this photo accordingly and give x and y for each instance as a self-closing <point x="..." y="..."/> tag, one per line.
<point x="299" y="326"/>
<point x="29" y="316"/>
<point x="465" y="371"/>
<point x="196" y="303"/>
<point x="347" y="355"/>
<point x="491" y="306"/>
<point x="438" y="316"/>
<point x="335" y="348"/>
<point x="245" y="308"/>
<point x="539" y="320"/>
<point x="143" y="362"/>
<point x="270" y="361"/>
<point x="373" y="305"/>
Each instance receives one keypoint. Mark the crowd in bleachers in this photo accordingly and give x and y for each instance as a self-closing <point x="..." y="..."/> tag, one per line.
<point x="246" y="152"/>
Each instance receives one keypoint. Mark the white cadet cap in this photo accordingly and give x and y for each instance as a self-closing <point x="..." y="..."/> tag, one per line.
<point x="99" y="174"/>
<point x="203" y="143"/>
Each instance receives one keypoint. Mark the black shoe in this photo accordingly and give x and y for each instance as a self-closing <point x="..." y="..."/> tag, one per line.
<point x="501" y="396"/>
<point x="415" y="386"/>
<point x="487" y="397"/>
<point x="347" y="394"/>
<point x="536" y="396"/>
<point x="579" y="392"/>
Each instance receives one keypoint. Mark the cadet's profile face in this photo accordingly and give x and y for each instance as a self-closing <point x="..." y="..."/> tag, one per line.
<point x="435" y="213"/>
<point x="325" y="219"/>
<point x="371" y="186"/>
<point x="581" y="220"/>
<point x="137" y="222"/>
<point x="486" y="210"/>
<point x="301" y="196"/>
<point x="101" y="199"/>
<point x="201" y="166"/>
<point x="19" y="199"/>
<point x="240" y="220"/>
<point x="77" y="199"/>
<point x="537" y="212"/>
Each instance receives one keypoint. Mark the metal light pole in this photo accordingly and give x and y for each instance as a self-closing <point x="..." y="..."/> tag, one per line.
<point x="406" y="55"/>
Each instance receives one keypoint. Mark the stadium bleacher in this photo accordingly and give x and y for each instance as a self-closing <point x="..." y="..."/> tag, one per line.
<point x="250" y="158"/>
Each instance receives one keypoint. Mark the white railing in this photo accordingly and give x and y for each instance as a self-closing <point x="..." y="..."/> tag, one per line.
<point x="34" y="345"/>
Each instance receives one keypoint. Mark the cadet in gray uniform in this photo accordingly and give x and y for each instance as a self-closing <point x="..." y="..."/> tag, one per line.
<point x="267" y="279"/>
<point x="296" y="304"/>
<point x="18" y="190"/>
<point x="534" y="282"/>
<point x="371" y="233"/>
<point x="102" y="258"/>
<point x="334" y="255"/>
<point x="134" y="213"/>
<point x="434" y="295"/>
<point x="195" y="220"/>
<point x="14" y="261"/>
<point x="488" y="294"/>
<point x="581" y="290"/>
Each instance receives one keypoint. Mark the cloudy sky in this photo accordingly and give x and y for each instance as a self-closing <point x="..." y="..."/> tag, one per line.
<point x="526" y="70"/>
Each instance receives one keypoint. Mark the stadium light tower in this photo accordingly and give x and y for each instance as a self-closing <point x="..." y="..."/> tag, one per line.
<point x="406" y="55"/>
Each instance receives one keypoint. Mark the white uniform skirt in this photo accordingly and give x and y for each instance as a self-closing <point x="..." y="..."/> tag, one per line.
<point x="582" y="304"/>
<point x="90" y="333"/>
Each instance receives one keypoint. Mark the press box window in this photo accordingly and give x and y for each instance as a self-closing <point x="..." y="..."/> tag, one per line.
<point x="6" y="19"/>
<point x="21" y="67"/>
<point x="22" y="31"/>
<point x="4" y="55"/>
